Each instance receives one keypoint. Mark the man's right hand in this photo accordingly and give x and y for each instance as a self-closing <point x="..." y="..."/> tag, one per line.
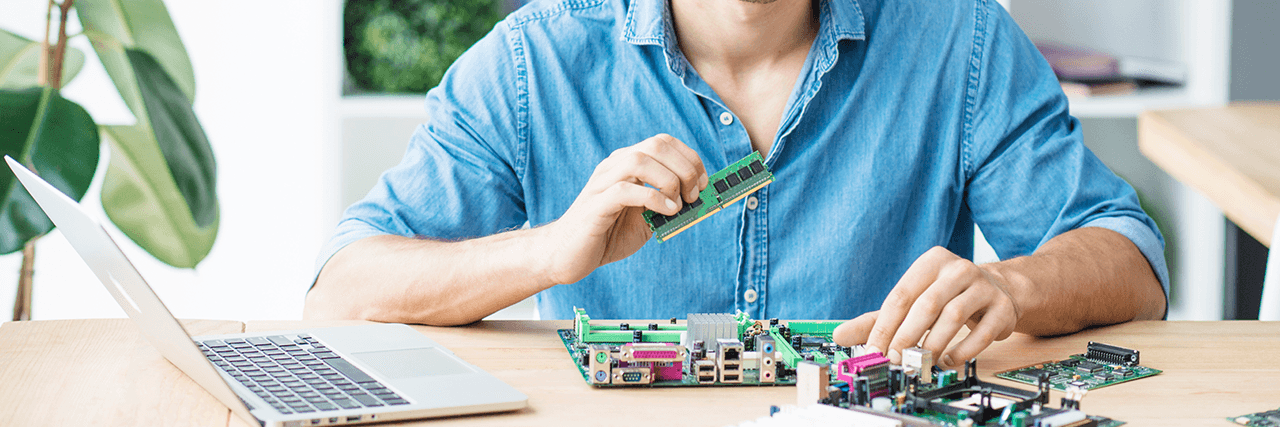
<point x="605" y="222"/>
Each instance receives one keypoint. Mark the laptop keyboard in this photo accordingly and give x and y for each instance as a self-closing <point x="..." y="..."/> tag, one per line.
<point x="297" y="375"/>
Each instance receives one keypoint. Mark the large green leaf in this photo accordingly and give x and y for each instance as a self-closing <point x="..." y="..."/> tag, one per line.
<point x="56" y="138"/>
<point x="20" y="62"/>
<point x="160" y="187"/>
<point x="116" y="25"/>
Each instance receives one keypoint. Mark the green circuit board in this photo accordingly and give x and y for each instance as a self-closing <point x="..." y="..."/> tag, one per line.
<point x="1259" y="419"/>
<point x="725" y="187"/>
<point x="616" y="354"/>
<point x="1080" y="371"/>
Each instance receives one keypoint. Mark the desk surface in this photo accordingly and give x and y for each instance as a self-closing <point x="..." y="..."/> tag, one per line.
<point x="1231" y="154"/>
<point x="102" y="372"/>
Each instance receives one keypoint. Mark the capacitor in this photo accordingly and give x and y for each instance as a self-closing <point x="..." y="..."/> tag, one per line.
<point x="637" y="336"/>
<point x="623" y="326"/>
<point x="653" y="326"/>
<point x="699" y="350"/>
<point x="882" y="404"/>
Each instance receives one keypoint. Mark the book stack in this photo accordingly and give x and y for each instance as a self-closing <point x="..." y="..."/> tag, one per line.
<point x="1086" y="72"/>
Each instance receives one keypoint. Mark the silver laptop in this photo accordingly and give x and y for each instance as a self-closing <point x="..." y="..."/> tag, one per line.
<point x="320" y="376"/>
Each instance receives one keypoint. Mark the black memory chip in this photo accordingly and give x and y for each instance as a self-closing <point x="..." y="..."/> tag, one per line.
<point x="756" y="167"/>
<point x="721" y="186"/>
<point x="658" y="220"/>
<point x="745" y="173"/>
<point x="733" y="179"/>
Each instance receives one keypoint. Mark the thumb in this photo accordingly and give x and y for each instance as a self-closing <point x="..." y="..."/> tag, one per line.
<point x="855" y="331"/>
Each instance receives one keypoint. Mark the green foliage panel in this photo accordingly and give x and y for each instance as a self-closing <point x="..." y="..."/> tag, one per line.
<point x="405" y="46"/>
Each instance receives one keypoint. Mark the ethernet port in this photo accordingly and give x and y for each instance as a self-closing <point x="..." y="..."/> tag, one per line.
<point x="732" y="354"/>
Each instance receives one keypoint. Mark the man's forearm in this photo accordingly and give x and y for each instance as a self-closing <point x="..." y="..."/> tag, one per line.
<point x="1085" y="277"/>
<point x="401" y="279"/>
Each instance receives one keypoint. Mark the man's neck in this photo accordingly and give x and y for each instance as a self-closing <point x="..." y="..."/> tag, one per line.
<point x="736" y="36"/>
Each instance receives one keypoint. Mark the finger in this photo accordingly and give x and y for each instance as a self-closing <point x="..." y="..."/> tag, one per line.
<point x="626" y="194"/>
<point x="631" y="165"/>
<point x="919" y="276"/>
<point x="994" y="323"/>
<point x="955" y="315"/>
<point x="925" y="311"/>
<point x="854" y="332"/>
<point x="681" y="160"/>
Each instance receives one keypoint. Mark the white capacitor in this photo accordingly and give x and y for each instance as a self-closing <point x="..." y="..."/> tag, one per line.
<point x="882" y="404"/>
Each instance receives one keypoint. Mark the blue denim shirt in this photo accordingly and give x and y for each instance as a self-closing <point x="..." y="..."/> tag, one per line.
<point x="910" y="121"/>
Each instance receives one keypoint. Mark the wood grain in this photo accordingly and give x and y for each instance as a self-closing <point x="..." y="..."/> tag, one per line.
<point x="101" y="372"/>
<point x="1230" y="154"/>
<point x="98" y="372"/>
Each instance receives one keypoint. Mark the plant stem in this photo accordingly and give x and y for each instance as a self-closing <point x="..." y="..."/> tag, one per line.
<point x="42" y="76"/>
<point x="55" y="77"/>
<point x="22" y="301"/>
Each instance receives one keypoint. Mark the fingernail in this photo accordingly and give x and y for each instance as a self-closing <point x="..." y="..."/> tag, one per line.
<point x="946" y="361"/>
<point x="874" y="349"/>
<point x="693" y="193"/>
<point x="894" y="356"/>
<point x="671" y="204"/>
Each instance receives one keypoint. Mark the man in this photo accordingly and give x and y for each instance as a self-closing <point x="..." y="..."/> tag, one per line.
<point x="891" y="126"/>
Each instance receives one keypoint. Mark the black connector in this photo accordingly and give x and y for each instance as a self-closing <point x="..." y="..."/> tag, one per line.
<point x="1111" y="354"/>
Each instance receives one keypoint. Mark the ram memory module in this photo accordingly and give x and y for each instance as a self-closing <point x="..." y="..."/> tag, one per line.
<point x="727" y="186"/>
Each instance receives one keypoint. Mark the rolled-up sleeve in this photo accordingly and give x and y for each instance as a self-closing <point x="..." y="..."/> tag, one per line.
<point x="1029" y="175"/>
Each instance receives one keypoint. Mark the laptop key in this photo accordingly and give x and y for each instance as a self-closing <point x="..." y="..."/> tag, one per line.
<point x="397" y="401"/>
<point x="346" y="403"/>
<point x="367" y="400"/>
<point x="325" y="406"/>
<point x="351" y="371"/>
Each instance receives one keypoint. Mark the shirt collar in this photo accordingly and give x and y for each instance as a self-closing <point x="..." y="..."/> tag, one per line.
<point x="649" y="23"/>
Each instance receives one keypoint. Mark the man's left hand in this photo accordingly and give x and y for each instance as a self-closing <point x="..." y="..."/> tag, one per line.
<point x="938" y="294"/>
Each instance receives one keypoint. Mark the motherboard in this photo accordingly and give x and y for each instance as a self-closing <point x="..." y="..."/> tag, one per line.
<point x="1099" y="366"/>
<point x="1259" y="419"/>
<point x="716" y="349"/>
<point x="710" y="349"/>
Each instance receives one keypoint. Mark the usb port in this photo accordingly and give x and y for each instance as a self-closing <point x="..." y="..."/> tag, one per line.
<point x="353" y="418"/>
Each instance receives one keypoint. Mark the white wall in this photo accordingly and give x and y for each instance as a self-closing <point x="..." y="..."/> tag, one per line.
<point x="264" y="80"/>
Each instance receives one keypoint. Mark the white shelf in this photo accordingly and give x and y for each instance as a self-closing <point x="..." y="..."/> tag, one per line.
<point x="1128" y="106"/>
<point x="391" y="106"/>
<point x="1196" y="33"/>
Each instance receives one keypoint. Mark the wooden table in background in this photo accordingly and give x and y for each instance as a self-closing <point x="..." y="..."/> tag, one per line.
<point x="1231" y="154"/>
<point x="102" y="373"/>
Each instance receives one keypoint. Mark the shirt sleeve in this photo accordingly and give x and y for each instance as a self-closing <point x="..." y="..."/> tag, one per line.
<point x="460" y="177"/>
<point x="1029" y="176"/>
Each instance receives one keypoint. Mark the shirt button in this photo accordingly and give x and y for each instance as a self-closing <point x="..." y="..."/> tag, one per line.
<point x="750" y="295"/>
<point x="752" y="202"/>
<point x="726" y="118"/>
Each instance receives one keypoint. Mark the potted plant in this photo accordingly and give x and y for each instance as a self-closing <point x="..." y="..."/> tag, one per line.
<point x="159" y="187"/>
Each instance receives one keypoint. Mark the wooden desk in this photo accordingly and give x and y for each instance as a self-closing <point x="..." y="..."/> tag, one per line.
<point x="101" y="372"/>
<point x="1231" y="154"/>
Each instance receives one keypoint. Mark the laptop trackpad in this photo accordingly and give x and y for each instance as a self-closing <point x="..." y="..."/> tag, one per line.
<point x="411" y="363"/>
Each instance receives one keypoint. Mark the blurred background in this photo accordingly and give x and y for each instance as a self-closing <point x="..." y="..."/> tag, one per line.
<point x="298" y="135"/>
